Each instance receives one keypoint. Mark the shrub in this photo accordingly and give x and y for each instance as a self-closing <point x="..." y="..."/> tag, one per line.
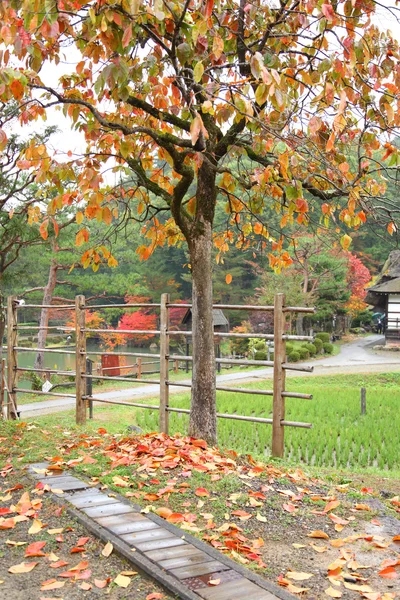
<point x="323" y="336"/>
<point x="311" y="348"/>
<point x="318" y="343"/>
<point x="289" y="348"/>
<point x="328" y="348"/>
<point x="36" y="380"/>
<point x="260" y="355"/>
<point x="259" y="345"/>
<point x="293" y="356"/>
<point x="304" y="353"/>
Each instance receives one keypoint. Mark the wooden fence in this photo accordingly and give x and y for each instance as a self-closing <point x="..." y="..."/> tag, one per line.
<point x="85" y="401"/>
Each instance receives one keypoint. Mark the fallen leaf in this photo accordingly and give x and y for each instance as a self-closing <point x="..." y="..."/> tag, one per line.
<point x="299" y="546"/>
<point x="333" y="593"/>
<point x="214" y="581"/>
<point x="331" y="505"/>
<point x="318" y="534"/>
<point x="108" y="548"/>
<point x="22" y="567"/>
<point x="52" y="584"/>
<point x="154" y="596"/>
<point x="102" y="583"/>
<point x="356" y="587"/>
<point x="298" y="576"/>
<point x="55" y="531"/>
<point x="388" y="573"/>
<point x="202" y="492"/>
<point x="319" y="548"/>
<point x="122" y="581"/>
<point x="35" y="527"/>
<point x="35" y="549"/>
<point x="86" y="586"/>
<point x="362" y="507"/>
<point x="289" y="507"/>
<point x="261" y="518"/>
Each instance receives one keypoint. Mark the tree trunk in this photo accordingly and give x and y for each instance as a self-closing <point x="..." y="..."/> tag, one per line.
<point x="203" y="405"/>
<point x="44" y="315"/>
<point x="2" y="323"/>
<point x="299" y="324"/>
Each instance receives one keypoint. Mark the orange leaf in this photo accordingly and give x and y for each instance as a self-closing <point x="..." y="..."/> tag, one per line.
<point x="102" y="583"/>
<point x="362" y="507"/>
<point x="154" y="596"/>
<point x="228" y="278"/>
<point x="202" y="491"/>
<point x="388" y="573"/>
<point x="289" y="507"/>
<point x="35" y="549"/>
<point x="52" y="584"/>
<point x="318" y="534"/>
<point x="175" y="518"/>
<point x="331" y="505"/>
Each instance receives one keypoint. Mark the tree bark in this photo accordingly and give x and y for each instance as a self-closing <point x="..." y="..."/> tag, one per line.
<point x="203" y="404"/>
<point x="44" y="315"/>
<point x="2" y="323"/>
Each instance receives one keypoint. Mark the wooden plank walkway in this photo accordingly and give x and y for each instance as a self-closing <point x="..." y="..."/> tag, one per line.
<point x="181" y="563"/>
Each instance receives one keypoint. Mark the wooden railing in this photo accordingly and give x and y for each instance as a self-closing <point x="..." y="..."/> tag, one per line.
<point x="85" y="401"/>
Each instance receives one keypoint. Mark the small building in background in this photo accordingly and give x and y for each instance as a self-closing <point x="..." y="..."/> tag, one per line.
<point x="220" y="321"/>
<point x="384" y="296"/>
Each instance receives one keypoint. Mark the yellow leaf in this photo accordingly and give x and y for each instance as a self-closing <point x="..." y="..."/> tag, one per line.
<point x="298" y="576"/>
<point x="261" y="518"/>
<point x="108" y="548"/>
<point x="22" y="567"/>
<point x="198" y="71"/>
<point x="333" y="593"/>
<point x="345" y="242"/>
<point x="35" y="527"/>
<point x="214" y="581"/>
<point x="79" y="217"/>
<point x="122" y="581"/>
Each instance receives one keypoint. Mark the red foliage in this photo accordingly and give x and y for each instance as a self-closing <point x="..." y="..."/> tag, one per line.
<point x="358" y="277"/>
<point x="138" y="321"/>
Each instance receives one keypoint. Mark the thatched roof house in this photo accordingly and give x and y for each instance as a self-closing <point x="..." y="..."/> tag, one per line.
<point x="385" y="295"/>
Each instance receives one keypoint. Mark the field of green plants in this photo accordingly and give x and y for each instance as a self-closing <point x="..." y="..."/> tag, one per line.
<point x="340" y="436"/>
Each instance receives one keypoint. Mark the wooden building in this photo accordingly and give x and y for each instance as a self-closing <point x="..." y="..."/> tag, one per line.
<point x="220" y="321"/>
<point x="385" y="297"/>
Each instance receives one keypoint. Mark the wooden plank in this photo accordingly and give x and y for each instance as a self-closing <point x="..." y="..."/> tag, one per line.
<point x="66" y="485"/>
<point x="157" y="533"/>
<point x="211" y="566"/>
<point x="278" y="411"/>
<point x="117" y="508"/>
<point x="164" y="363"/>
<point x="164" y="543"/>
<point x="183" y="561"/>
<point x="235" y="590"/>
<point x="95" y="500"/>
<point x="166" y="553"/>
<point x="80" y="359"/>
<point x="122" y="524"/>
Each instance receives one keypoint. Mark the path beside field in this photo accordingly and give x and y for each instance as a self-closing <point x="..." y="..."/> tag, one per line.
<point x="355" y="357"/>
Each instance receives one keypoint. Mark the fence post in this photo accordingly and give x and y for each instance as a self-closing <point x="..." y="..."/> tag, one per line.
<point x="164" y="363"/>
<point x="279" y="376"/>
<point x="363" y="401"/>
<point x="2" y="387"/>
<point x="80" y="359"/>
<point x="12" y="356"/>
<point x="139" y="368"/>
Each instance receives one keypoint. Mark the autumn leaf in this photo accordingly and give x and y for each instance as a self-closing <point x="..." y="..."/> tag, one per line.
<point x="333" y="593"/>
<point x="298" y="576"/>
<point x="102" y="583"/>
<point x="52" y="584"/>
<point x="214" y="581"/>
<point x="331" y="505"/>
<point x="228" y="278"/>
<point x="122" y="581"/>
<point x="154" y="596"/>
<point x="108" y="548"/>
<point x="388" y="573"/>
<point x="35" y="527"/>
<point x="318" y="534"/>
<point x="202" y="492"/>
<point x="23" y="567"/>
<point x="35" y="549"/>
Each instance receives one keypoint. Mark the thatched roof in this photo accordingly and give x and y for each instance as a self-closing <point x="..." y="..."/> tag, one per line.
<point x="219" y="319"/>
<point x="392" y="286"/>
<point x="391" y="268"/>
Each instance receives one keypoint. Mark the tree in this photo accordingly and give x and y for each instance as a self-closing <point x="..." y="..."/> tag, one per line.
<point x="175" y="93"/>
<point x="358" y="277"/>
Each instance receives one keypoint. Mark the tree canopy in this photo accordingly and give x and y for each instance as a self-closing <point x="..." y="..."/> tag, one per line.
<point x="252" y="104"/>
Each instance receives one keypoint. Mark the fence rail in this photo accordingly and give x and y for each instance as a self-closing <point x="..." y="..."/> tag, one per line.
<point x="83" y="378"/>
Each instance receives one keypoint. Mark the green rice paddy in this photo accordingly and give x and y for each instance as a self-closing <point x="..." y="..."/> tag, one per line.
<point x="340" y="436"/>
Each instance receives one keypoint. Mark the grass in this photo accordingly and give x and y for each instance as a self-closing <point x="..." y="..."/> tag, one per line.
<point x="341" y="437"/>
